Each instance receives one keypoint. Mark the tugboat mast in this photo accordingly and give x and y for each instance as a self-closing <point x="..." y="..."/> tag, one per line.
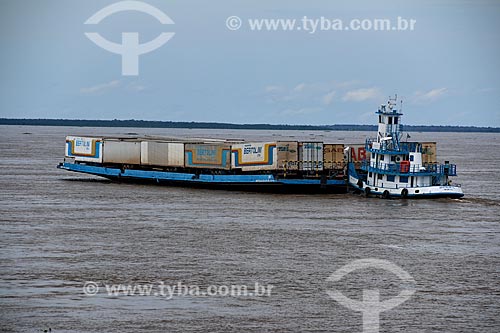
<point x="389" y="126"/>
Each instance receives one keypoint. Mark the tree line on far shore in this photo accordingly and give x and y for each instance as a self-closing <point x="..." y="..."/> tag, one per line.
<point x="214" y="125"/>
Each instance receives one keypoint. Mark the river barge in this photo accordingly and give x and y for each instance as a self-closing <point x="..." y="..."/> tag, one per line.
<point x="275" y="166"/>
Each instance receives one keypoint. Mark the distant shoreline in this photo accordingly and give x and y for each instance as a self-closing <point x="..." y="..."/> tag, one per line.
<point x="214" y="125"/>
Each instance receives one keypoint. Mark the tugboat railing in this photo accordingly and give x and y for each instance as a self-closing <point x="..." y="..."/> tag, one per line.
<point x="404" y="168"/>
<point x="388" y="147"/>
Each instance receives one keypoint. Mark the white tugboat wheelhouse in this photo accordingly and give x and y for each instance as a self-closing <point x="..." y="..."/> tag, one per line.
<point x="394" y="168"/>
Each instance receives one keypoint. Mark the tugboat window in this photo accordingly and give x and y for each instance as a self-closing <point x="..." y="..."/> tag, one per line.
<point x="382" y="157"/>
<point x="379" y="176"/>
<point x="391" y="178"/>
<point x="403" y="179"/>
<point x="395" y="120"/>
<point x="411" y="158"/>
<point x="390" y="120"/>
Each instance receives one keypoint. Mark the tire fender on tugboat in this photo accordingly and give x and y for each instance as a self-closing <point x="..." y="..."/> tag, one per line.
<point x="367" y="191"/>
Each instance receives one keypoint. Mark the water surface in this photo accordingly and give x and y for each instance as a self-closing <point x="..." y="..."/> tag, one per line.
<point x="59" y="229"/>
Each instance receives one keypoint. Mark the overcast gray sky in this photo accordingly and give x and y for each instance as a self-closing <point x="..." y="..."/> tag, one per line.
<point x="447" y="70"/>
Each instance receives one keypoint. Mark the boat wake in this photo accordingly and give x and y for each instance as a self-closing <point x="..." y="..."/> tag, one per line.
<point x="479" y="201"/>
<point x="87" y="180"/>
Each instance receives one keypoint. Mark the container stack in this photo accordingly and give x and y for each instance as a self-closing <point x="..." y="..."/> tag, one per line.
<point x="210" y="154"/>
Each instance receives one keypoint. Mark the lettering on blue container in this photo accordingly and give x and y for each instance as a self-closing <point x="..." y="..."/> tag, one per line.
<point x="206" y="152"/>
<point x="252" y="150"/>
<point x="82" y="143"/>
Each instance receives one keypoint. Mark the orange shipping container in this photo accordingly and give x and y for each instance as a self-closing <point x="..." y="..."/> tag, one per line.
<point x="429" y="152"/>
<point x="333" y="156"/>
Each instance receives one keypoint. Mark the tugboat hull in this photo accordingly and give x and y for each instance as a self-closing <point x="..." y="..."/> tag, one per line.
<point x="406" y="192"/>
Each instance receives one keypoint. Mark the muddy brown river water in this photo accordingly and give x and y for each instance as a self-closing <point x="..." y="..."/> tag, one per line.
<point x="59" y="230"/>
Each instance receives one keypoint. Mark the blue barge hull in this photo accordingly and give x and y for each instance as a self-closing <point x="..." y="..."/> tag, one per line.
<point x="247" y="182"/>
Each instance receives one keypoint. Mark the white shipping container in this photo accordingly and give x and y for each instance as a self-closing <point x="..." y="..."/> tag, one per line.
<point x="84" y="149"/>
<point x="162" y="153"/>
<point x="311" y="156"/>
<point x="121" y="151"/>
<point x="254" y="156"/>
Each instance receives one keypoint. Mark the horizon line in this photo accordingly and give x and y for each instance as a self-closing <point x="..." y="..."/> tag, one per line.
<point x="228" y="125"/>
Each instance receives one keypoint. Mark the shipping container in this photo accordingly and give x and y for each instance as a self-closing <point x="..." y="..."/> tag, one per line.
<point x="121" y="151"/>
<point x="254" y="156"/>
<point x="429" y="152"/>
<point x="84" y="149"/>
<point x="287" y="155"/>
<point x="311" y="156"/>
<point x="333" y="156"/>
<point x="167" y="154"/>
<point x="208" y="155"/>
<point x="357" y="152"/>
